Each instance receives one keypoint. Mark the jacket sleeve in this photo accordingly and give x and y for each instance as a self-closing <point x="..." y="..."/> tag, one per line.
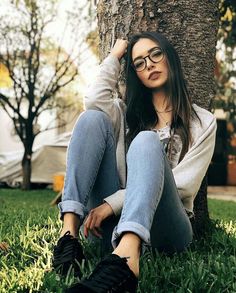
<point x="116" y="201"/>
<point x="99" y="94"/>
<point x="190" y="171"/>
<point x="99" y="97"/>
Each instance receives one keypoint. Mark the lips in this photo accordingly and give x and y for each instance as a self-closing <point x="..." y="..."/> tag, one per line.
<point x="154" y="75"/>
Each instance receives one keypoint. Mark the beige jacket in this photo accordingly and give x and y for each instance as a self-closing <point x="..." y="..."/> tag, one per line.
<point x="188" y="173"/>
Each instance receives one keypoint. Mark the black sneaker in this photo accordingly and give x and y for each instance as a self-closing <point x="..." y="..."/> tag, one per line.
<point x="112" y="275"/>
<point x="67" y="252"/>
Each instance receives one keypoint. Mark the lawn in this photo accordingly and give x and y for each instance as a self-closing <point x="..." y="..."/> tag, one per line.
<point x="30" y="226"/>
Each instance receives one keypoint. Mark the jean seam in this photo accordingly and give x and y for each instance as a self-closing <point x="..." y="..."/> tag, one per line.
<point x="160" y="188"/>
<point x="66" y="177"/>
<point x="92" y="181"/>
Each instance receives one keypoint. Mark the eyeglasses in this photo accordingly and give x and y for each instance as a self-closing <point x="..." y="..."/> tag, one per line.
<point x="156" y="55"/>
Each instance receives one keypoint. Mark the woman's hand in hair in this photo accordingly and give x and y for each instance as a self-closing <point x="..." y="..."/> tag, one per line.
<point x="119" y="49"/>
<point x="95" y="217"/>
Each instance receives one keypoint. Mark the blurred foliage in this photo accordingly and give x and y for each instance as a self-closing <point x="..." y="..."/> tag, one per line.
<point x="227" y="25"/>
<point x="93" y="40"/>
<point x="5" y="80"/>
<point x="226" y="66"/>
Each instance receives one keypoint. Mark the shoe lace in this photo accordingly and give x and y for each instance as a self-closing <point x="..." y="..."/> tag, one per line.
<point x="109" y="275"/>
<point x="71" y="251"/>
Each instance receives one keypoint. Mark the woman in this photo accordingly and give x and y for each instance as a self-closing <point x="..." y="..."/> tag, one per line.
<point x="166" y="152"/>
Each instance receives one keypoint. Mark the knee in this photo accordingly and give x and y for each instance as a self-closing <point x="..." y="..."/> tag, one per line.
<point x="146" y="140"/>
<point x="93" y="119"/>
<point x="93" y="116"/>
<point x="146" y="136"/>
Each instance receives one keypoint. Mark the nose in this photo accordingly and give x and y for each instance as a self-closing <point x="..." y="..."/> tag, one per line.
<point x="149" y="63"/>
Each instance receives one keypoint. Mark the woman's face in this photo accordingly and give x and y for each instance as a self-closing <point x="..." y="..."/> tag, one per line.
<point x="154" y="75"/>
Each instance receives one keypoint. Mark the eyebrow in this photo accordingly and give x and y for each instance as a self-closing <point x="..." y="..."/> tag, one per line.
<point x="139" y="57"/>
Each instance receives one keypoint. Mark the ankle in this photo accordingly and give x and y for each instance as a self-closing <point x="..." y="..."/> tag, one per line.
<point x="67" y="229"/>
<point x="130" y="242"/>
<point x="130" y="247"/>
<point x="132" y="262"/>
<point x="70" y="223"/>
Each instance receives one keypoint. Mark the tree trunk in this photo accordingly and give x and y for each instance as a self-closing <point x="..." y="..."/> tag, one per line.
<point x="26" y="170"/>
<point x="191" y="26"/>
<point x="28" y="150"/>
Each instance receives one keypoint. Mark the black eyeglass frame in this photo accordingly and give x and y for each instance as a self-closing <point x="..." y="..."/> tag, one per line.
<point x="149" y="57"/>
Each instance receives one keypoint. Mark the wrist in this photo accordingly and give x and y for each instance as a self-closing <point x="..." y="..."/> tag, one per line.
<point x="116" y="55"/>
<point x="108" y="209"/>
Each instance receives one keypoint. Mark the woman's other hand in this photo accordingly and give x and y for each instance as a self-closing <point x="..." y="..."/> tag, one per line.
<point x="119" y="49"/>
<point x="95" y="218"/>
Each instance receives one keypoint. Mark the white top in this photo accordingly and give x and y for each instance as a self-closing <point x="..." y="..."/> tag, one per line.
<point x="164" y="135"/>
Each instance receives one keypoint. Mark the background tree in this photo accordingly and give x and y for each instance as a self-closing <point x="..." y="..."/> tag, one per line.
<point x="227" y="23"/>
<point x="226" y="61"/>
<point x="191" y="26"/>
<point x="39" y="68"/>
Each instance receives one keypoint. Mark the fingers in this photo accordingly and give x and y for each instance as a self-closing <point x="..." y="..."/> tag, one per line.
<point x="87" y="224"/>
<point x="95" y="227"/>
<point x="86" y="230"/>
<point x="121" y="44"/>
<point x="96" y="216"/>
<point x="96" y="232"/>
<point x="92" y="224"/>
<point x="119" y="49"/>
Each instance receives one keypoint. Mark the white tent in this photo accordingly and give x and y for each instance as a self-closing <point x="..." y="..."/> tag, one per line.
<point x="47" y="160"/>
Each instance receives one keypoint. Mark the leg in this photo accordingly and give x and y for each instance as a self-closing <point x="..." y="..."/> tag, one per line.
<point x="91" y="156"/>
<point x="171" y="229"/>
<point x="107" y="182"/>
<point x="147" y="172"/>
<point x="91" y="151"/>
<point x="152" y="204"/>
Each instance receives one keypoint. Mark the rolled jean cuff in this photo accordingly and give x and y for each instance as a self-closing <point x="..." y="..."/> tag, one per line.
<point x="133" y="227"/>
<point x="71" y="206"/>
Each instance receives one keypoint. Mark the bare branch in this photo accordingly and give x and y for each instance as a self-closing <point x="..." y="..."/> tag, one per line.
<point x="9" y="61"/>
<point x="6" y="100"/>
<point x="5" y="109"/>
<point x="55" y="87"/>
<point x="57" y="70"/>
<point x="62" y="124"/>
<point x="59" y="48"/>
<point x="14" y="120"/>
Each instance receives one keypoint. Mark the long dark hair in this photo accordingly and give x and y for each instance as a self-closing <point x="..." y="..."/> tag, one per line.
<point x="141" y="114"/>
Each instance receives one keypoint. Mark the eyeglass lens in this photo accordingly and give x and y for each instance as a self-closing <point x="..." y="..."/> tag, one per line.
<point x="155" y="56"/>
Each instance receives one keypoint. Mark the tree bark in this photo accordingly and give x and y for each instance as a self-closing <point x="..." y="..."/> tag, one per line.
<point x="26" y="161"/>
<point x="191" y="26"/>
<point x="26" y="171"/>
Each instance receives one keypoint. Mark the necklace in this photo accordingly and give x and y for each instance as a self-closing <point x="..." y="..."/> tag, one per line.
<point x="159" y="114"/>
<point x="167" y="122"/>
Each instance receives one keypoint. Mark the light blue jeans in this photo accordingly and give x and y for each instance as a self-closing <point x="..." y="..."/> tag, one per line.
<point x="152" y="208"/>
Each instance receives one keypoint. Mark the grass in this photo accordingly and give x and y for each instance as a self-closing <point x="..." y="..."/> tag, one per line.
<point x="30" y="226"/>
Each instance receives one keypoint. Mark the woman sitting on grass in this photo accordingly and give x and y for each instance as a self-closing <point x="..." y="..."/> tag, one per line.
<point x="135" y="165"/>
